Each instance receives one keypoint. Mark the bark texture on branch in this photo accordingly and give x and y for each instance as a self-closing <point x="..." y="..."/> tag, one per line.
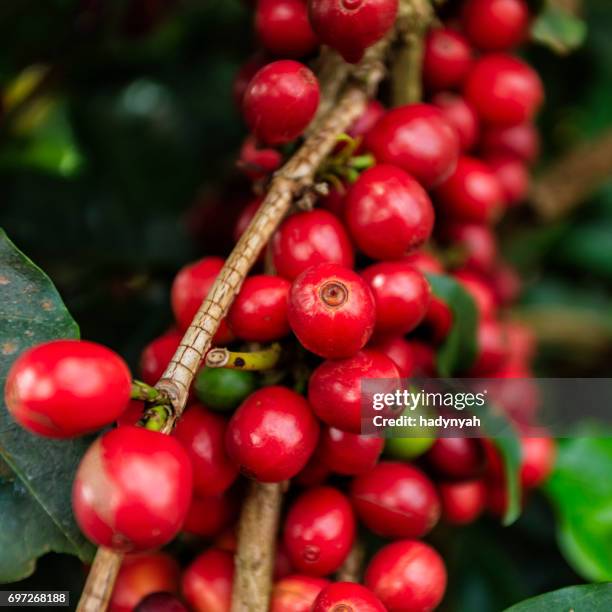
<point x="99" y="586"/>
<point x="568" y="182"/>
<point x="254" y="560"/>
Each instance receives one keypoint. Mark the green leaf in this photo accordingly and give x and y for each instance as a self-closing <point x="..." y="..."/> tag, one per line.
<point x="584" y="598"/>
<point x="581" y="492"/>
<point x="458" y="351"/>
<point x="554" y="27"/>
<point x="35" y="474"/>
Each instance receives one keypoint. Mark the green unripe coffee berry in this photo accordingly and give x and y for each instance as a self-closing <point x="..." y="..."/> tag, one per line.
<point x="224" y="389"/>
<point x="407" y="448"/>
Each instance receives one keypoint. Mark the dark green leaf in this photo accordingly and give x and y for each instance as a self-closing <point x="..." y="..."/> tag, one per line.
<point x="459" y="349"/>
<point x="558" y="29"/>
<point x="35" y="474"/>
<point x="585" y="598"/>
<point x="581" y="489"/>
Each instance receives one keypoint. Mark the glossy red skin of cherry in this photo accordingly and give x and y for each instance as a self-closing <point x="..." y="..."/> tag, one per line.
<point x="402" y="295"/>
<point x="407" y="575"/>
<point x="491" y="347"/>
<point x="388" y="213"/>
<point x="347" y="453"/>
<point x="396" y="500"/>
<point x="202" y="434"/>
<point x="334" y="389"/>
<point x="132" y="414"/>
<point x="419" y="140"/>
<point x="400" y="352"/>
<point x="334" y="201"/>
<point x="351" y="26"/>
<point x="495" y="25"/>
<point x="521" y="141"/>
<point x="257" y="162"/>
<point x="283" y="28"/>
<point x="513" y="177"/>
<point x="459" y="458"/>
<point x="472" y="194"/>
<point x="207" y="583"/>
<point x="279" y="86"/>
<point x="319" y="531"/>
<point x="538" y="460"/>
<point x="477" y="243"/>
<point x="367" y="120"/>
<point x="67" y="388"/>
<point x="314" y="473"/>
<point x="461" y="116"/>
<point x="463" y="502"/>
<point x="189" y="289"/>
<point x="306" y="239"/>
<point x="331" y="311"/>
<point x="439" y="319"/>
<point x="447" y="60"/>
<point x="426" y="262"/>
<point x="209" y="516"/>
<point x="259" y="313"/>
<point x="296" y="593"/>
<point x="132" y="490"/>
<point x="157" y="355"/>
<point x="272" y="435"/>
<point x="479" y="291"/>
<point x="141" y="575"/>
<point x="504" y="90"/>
<point x="347" y="597"/>
<point x="161" y="602"/>
<point x="244" y="75"/>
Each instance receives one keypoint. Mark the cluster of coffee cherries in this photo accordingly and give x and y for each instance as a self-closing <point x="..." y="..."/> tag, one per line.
<point x="343" y="288"/>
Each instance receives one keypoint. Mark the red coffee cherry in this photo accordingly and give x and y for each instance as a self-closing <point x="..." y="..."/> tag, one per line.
<point x="461" y="116"/>
<point x="280" y="101"/>
<point x="191" y="285"/>
<point x="319" y="531"/>
<point x="334" y="200"/>
<point x="402" y="295"/>
<point x="202" y="435"/>
<point x="296" y="593"/>
<point x="132" y="414"/>
<point x="407" y="575"/>
<point x="161" y="602"/>
<point x="351" y="26"/>
<point x="347" y="597"/>
<point x="307" y="239"/>
<point x="504" y="90"/>
<point x="424" y="359"/>
<point x="538" y="460"/>
<point x="67" y="388"/>
<point x="438" y="320"/>
<point x="418" y="139"/>
<point x="347" y="453"/>
<point x="315" y="473"/>
<point x="495" y="25"/>
<point x="388" y="213"/>
<point x="478" y="245"/>
<point x="244" y="76"/>
<point x="492" y="349"/>
<point x="207" y="583"/>
<point x="463" y="502"/>
<point x="157" y="355"/>
<point x="460" y="458"/>
<point x="141" y="575"/>
<point x="272" y="435"/>
<point x="426" y="262"/>
<point x="396" y="500"/>
<point x="209" y="516"/>
<point x="479" y="291"/>
<point x="259" y="313"/>
<point x="513" y="177"/>
<point x="255" y="162"/>
<point x="471" y="194"/>
<point x="400" y="352"/>
<point x="283" y="28"/>
<point x="331" y="311"/>
<point x="367" y="120"/>
<point x="132" y="490"/>
<point x="334" y="389"/>
<point x="447" y="60"/>
<point x="521" y="141"/>
<point x="507" y="284"/>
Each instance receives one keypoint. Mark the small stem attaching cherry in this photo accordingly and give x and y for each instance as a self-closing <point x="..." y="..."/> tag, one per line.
<point x="255" y="361"/>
